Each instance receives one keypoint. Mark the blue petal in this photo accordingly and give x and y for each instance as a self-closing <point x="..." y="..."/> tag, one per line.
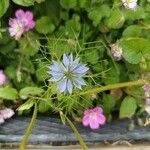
<point x="71" y="58"/>
<point x="78" y="82"/>
<point x="69" y="86"/>
<point x="80" y="69"/>
<point x="74" y="64"/>
<point x="66" y="60"/>
<point x="55" y="78"/>
<point x="54" y="73"/>
<point x="62" y="85"/>
<point x="58" y="67"/>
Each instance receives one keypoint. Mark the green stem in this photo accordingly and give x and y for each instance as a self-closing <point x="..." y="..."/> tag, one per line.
<point x="29" y="129"/>
<point x="115" y="86"/>
<point x="82" y="143"/>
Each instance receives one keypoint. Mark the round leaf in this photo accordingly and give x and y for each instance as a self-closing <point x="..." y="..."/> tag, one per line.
<point x="128" y="107"/>
<point x="44" y="25"/>
<point x="8" y="93"/>
<point x="4" y="4"/>
<point x="27" y="91"/>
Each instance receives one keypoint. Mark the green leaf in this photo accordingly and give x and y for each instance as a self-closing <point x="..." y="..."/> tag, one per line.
<point x="116" y="19"/>
<point x="108" y="103"/>
<point x="139" y="13"/>
<point x="29" y="45"/>
<point x="27" y="105"/>
<point x="8" y="93"/>
<point x="96" y="14"/>
<point x="68" y="3"/>
<point x="128" y="107"/>
<point x="41" y="72"/>
<point x="39" y="1"/>
<point x="134" y="49"/>
<point x="45" y="25"/>
<point x="27" y="91"/>
<point x="44" y="106"/>
<point x="132" y="31"/>
<point x="24" y="2"/>
<point x="4" y="4"/>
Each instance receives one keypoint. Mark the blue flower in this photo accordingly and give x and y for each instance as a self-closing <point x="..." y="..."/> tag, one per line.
<point x="68" y="74"/>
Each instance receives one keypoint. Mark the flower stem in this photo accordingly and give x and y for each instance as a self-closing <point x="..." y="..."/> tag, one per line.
<point x="82" y="143"/>
<point x="115" y="86"/>
<point x="29" y="129"/>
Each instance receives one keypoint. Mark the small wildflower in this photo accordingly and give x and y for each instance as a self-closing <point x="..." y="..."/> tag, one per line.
<point x="21" y="24"/>
<point x="130" y="4"/>
<point x="116" y="51"/>
<point x="68" y="73"/>
<point x="94" y="118"/>
<point x="5" y="113"/>
<point x="146" y="89"/>
<point x="2" y="77"/>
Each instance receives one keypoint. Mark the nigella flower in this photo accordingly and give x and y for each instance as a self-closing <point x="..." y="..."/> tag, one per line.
<point x="21" y="24"/>
<point x="68" y="73"/>
<point x="2" y="77"/>
<point x="94" y="118"/>
<point x="5" y="113"/>
<point x="116" y="51"/>
<point x="130" y="4"/>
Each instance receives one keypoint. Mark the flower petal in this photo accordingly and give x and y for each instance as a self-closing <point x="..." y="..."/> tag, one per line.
<point x="69" y="86"/>
<point x="62" y="85"/>
<point x="78" y="82"/>
<point x="74" y="64"/>
<point x="55" y="79"/>
<point x="101" y="119"/>
<point x="57" y="67"/>
<point x="55" y="73"/>
<point x="71" y="58"/>
<point x="1" y="119"/>
<point x="20" y="14"/>
<point x="94" y="124"/>
<point x="66" y="60"/>
<point x="98" y="110"/>
<point x="80" y="69"/>
<point x="86" y="120"/>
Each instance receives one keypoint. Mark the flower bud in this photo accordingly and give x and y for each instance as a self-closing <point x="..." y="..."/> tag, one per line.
<point x="116" y="51"/>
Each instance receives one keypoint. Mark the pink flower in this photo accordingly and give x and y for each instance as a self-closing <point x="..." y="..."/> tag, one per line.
<point x="94" y="118"/>
<point x="6" y="113"/>
<point x="116" y="51"/>
<point x="21" y="24"/>
<point x="1" y="119"/>
<point x="146" y="89"/>
<point x="2" y="77"/>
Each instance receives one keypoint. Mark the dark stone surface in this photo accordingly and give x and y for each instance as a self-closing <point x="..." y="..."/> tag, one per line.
<point x="51" y="130"/>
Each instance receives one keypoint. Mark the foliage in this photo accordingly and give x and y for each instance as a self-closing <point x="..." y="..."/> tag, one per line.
<point x="87" y="29"/>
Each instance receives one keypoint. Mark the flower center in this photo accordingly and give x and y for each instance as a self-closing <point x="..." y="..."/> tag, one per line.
<point x="93" y="115"/>
<point x="68" y="74"/>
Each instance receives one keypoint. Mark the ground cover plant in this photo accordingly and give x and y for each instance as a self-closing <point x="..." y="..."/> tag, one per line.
<point x="80" y="59"/>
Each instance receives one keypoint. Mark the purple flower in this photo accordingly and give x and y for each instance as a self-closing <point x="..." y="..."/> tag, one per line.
<point x="68" y="73"/>
<point x="21" y="24"/>
<point x="116" y="51"/>
<point x="2" y="77"/>
<point x="130" y="4"/>
<point x="94" y="118"/>
<point x="146" y="89"/>
<point x="5" y="113"/>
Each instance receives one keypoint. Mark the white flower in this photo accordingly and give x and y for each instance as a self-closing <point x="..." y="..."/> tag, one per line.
<point x="130" y="4"/>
